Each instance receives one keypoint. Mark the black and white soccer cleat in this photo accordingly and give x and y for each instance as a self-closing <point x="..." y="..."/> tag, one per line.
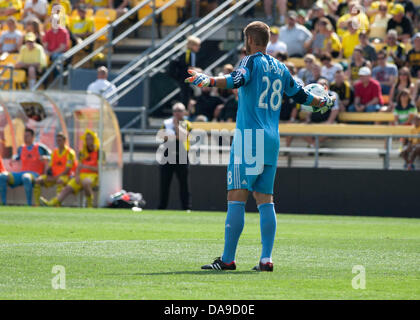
<point x="218" y="264"/>
<point x="264" y="267"/>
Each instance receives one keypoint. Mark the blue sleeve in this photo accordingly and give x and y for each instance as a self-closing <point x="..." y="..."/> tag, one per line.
<point x="241" y="76"/>
<point x="19" y="152"/>
<point x="294" y="89"/>
<point x="43" y="150"/>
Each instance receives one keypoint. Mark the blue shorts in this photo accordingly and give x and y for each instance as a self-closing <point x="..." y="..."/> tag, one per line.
<point x="17" y="178"/>
<point x="241" y="176"/>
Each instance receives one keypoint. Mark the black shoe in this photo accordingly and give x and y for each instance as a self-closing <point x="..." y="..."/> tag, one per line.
<point x="264" y="267"/>
<point x="218" y="264"/>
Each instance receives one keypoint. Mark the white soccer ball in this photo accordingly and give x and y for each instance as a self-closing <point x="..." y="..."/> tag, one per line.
<point x="317" y="90"/>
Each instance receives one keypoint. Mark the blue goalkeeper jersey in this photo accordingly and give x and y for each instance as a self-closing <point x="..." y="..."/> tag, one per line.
<point x="262" y="80"/>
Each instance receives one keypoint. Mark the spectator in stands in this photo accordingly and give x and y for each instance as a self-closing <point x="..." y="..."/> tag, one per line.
<point x="11" y="40"/>
<point x="32" y="157"/>
<point x="101" y="85"/>
<point x="385" y="73"/>
<point x="356" y="15"/>
<point x="344" y="90"/>
<point x="56" y="41"/>
<point x="207" y="105"/>
<point x="81" y="26"/>
<point x="64" y="3"/>
<point x="275" y="45"/>
<point x="379" y="25"/>
<point x="403" y="82"/>
<point x="329" y="68"/>
<point x="317" y="41"/>
<point x="281" y="7"/>
<point x="350" y="38"/>
<point x="400" y="23"/>
<point x="99" y="4"/>
<point x="394" y="49"/>
<point x="121" y="6"/>
<point x="331" y="43"/>
<point x="367" y="93"/>
<point x="295" y="36"/>
<point x="413" y="56"/>
<point x="31" y="58"/>
<point x="357" y="62"/>
<point x="178" y="69"/>
<point x="35" y="9"/>
<point x="369" y="51"/>
<point x="305" y="74"/>
<point x="316" y="71"/>
<point x="174" y="133"/>
<point x="34" y="25"/>
<point x="86" y="176"/>
<point x="230" y="108"/>
<point x="10" y="8"/>
<point x="405" y="112"/>
<point x="317" y="14"/>
<point x="328" y="117"/>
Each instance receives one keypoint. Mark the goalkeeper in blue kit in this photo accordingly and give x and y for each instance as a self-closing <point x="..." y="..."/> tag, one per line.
<point x="261" y="80"/>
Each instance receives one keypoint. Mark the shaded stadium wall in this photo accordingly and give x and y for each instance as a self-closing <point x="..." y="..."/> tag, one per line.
<point x="391" y="193"/>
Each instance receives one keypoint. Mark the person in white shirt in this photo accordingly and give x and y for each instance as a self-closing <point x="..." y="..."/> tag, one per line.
<point x="329" y="69"/>
<point x="101" y="85"/>
<point x="275" y="45"/>
<point x="35" y="9"/>
<point x="295" y="36"/>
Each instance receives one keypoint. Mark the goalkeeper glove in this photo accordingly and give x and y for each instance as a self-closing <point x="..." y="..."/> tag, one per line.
<point x="200" y="79"/>
<point x="326" y="103"/>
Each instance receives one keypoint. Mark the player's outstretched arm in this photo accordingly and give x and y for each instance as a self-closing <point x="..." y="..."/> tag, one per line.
<point x="203" y="80"/>
<point x="322" y="104"/>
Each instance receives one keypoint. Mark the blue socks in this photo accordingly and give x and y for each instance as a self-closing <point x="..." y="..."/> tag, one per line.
<point x="3" y="187"/>
<point x="235" y="221"/>
<point x="268" y="226"/>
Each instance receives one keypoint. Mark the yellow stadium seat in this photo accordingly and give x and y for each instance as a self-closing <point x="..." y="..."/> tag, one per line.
<point x="100" y="22"/>
<point x="109" y="14"/>
<point x="298" y="62"/>
<point x="11" y="59"/>
<point x="144" y="12"/>
<point x="19" y="79"/>
<point x="366" y="117"/>
<point x="170" y="16"/>
<point x="89" y="13"/>
<point x="378" y="46"/>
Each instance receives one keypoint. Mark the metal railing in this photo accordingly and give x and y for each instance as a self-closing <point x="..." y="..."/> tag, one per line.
<point x="108" y="31"/>
<point x="157" y="61"/>
<point x="9" y="81"/>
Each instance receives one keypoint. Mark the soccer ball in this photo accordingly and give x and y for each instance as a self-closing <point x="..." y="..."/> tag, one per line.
<point x="317" y="90"/>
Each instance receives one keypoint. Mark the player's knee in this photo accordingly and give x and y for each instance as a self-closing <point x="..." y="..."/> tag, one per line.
<point x="262" y="198"/>
<point x="86" y="183"/>
<point x="4" y="177"/>
<point x="27" y="178"/>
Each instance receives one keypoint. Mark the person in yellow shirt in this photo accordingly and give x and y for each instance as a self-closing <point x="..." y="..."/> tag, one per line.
<point x="86" y="176"/>
<point x="10" y="8"/>
<point x="81" y="26"/>
<point x="99" y="4"/>
<point x="62" y="163"/>
<point x="355" y="12"/>
<point x="60" y="10"/>
<point x="350" y="38"/>
<point x="32" y="58"/>
<point x="332" y="42"/>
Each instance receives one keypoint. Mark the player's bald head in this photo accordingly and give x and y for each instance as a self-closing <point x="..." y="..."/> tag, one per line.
<point x="259" y="32"/>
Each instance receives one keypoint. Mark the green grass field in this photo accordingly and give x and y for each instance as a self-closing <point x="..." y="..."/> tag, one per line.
<point x="119" y="254"/>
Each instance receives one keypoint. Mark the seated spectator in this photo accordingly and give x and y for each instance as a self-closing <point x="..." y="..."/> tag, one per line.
<point x="329" y="68"/>
<point x="413" y="57"/>
<point x="409" y="8"/>
<point x="10" y="8"/>
<point x="385" y="73"/>
<point x="367" y="93"/>
<point x="101" y="85"/>
<point x="305" y="74"/>
<point x="369" y="51"/>
<point x="35" y="9"/>
<point x="11" y="40"/>
<point x="81" y="26"/>
<point x="350" y="38"/>
<point x="394" y="49"/>
<point x="206" y="105"/>
<point x="121" y="6"/>
<point x="32" y="157"/>
<point x="31" y="58"/>
<point x="403" y="82"/>
<point x="34" y="25"/>
<point x="405" y="112"/>
<point x="275" y="45"/>
<point x="281" y="56"/>
<point x="316" y="71"/>
<point x="400" y="23"/>
<point x="230" y="108"/>
<point x="355" y="15"/>
<point x="357" y="62"/>
<point x="318" y="13"/>
<point x="378" y="27"/>
<point x="295" y="36"/>
<point x="86" y="176"/>
<point x="331" y="43"/>
<point x="56" y="41"/>
<point x="411" y="149"/>
<point x="64" y="3"/>
<point x="344" y="90"/>
<point x="317" y="41"/>
<point x="60" y="11"/>
<point x="328" y="117"/>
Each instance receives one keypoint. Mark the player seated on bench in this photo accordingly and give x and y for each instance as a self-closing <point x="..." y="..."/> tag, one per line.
<point x="32" y="157"/>
<point x="86" y="176"/>
<point x="63" y="163"/>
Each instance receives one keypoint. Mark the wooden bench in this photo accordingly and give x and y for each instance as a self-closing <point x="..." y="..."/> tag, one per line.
<point x="366" y="117"/>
